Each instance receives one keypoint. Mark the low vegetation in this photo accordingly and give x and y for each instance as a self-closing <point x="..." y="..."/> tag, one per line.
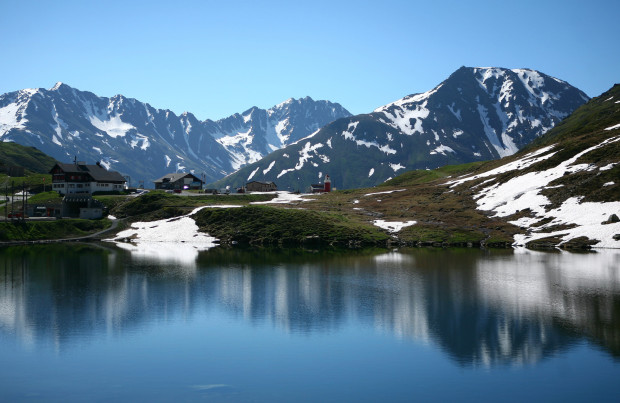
<point x="57" y="229"/>
<point x="262" y="225"/>
<point x="159" y="204"/>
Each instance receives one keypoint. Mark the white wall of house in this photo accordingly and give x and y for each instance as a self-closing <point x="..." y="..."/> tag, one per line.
<point x="85" y="188"/>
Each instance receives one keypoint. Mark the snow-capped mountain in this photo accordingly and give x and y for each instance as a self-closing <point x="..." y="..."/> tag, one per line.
<point x="476" y="114"/>
<point x="145" y="143"/>
<point x="122" y="133"/>
<point x="250" y="136"/>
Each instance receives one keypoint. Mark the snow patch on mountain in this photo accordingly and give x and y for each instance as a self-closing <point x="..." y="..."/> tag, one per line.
<point x="266" y="170"/>
<point x="113" y="125"/>
<point x="522" y="163"/>
<point x="524" y="192"/>
<point x="348" y="135"/>
<point x="10" y="118"/>
<point x="396" y="167"/>
<point x="442" y="150"/>
<point x="401" y="118"/>
<point x="253" y="173"/>
<point x="614" y="127"/>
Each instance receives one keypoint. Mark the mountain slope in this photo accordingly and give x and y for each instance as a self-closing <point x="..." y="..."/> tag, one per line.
<point x="123" y="133"/>
<point x="27" y="157"/>
<point x="257" y="132"/>
<point x="565" y="189"/>
<point x="562" y="190"/>
<point x="476" y="114"/>
<point x="145" y="143"/>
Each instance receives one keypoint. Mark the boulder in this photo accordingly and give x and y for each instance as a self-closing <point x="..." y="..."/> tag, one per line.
<point x="612" y="219"/>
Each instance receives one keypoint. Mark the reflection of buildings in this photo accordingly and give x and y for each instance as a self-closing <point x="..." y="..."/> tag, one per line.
<point x="479" y="309"/>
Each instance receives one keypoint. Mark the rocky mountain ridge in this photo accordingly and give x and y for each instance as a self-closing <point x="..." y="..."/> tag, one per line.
<point x="476" y="114"/>
<point x="145" y="143"/>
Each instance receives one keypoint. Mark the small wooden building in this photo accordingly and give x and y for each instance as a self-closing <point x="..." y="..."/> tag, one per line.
<point x="256" y="186"/>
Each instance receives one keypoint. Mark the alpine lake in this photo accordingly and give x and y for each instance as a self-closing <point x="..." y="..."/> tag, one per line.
<point x="102" y="322"/>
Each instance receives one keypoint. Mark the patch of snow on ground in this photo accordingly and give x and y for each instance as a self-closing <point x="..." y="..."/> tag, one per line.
<point x="587" y="216"/>
<point x="285" y="198"/>
<point x="526" y="161"/>
<point x="176" y="230"/>
<point x="386" y="192"/>
<point x="111" y="217"/>
<point x="608" y="184"/>
<point x="523" y="192"/>
<point x="168" y="159"/>
<point x="613" y="127"/>
<point x="371" y="172"/>
<point x="393" y="226"/>
<point x="608" y="166"/>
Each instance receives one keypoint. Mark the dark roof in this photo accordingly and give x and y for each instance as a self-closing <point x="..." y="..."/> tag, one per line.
<point x="262" y="183"/>
<point x="97" y="172"/>
<point x="175" y="177"/>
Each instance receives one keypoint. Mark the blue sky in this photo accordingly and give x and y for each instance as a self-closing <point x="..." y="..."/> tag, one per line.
<point x="215" y="58"/>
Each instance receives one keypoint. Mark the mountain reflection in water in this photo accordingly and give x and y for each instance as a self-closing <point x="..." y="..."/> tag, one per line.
<point x="480" y="307"/>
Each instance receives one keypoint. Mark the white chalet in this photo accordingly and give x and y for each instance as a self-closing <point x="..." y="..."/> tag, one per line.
<point x="79" y="178"/>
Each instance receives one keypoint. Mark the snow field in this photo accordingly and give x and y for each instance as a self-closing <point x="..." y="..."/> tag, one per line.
<point x="393" y="226"/>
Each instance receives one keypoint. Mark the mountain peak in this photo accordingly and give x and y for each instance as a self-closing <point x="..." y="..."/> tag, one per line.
<point x="478" y="113"/>
<point x="58" y="85"/>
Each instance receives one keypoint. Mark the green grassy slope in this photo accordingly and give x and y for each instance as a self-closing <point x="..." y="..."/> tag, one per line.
<point x="30" y="158"/>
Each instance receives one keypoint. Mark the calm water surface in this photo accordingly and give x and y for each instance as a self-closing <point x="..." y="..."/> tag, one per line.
<point x="101" y="323"/>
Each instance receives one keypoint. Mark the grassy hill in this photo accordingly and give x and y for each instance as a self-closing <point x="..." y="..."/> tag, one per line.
<point x="30" y="158"/>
